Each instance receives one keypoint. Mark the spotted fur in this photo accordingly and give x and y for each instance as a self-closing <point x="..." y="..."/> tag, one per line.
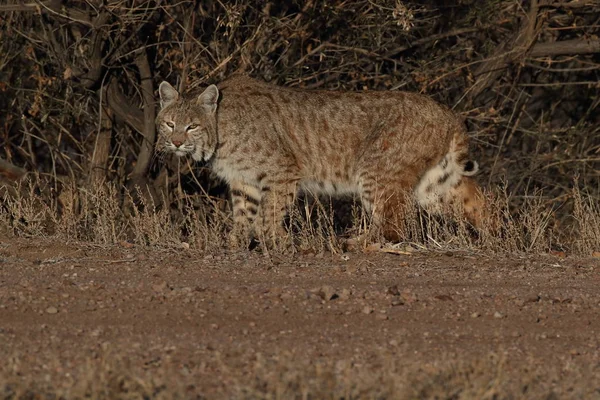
<point x="267" y="142"/>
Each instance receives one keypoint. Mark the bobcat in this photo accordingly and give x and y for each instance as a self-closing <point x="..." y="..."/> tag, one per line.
<point x="268" y="141"/>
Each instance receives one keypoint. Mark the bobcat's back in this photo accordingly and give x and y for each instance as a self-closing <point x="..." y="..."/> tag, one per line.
<point x="330" y="140"/>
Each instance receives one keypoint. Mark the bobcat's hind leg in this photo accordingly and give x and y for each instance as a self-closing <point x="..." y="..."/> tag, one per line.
<point x="386" y="203"/>
<point x="469" y="196"/>
<point x="245" y="201"/>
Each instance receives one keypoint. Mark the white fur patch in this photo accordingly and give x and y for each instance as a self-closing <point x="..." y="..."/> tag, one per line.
<point x="328" y="187"/>
<point x="435" y="187"/>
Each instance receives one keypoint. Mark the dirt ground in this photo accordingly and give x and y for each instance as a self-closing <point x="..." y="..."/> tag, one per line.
<point x="79" y="320"/>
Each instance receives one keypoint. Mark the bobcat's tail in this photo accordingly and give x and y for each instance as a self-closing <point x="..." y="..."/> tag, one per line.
<point x="436" y="185"/>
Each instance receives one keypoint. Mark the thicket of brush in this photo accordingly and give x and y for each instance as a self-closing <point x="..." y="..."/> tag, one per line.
<point x="77" y="103"/>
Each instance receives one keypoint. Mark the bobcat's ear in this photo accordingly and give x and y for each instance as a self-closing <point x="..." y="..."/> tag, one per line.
<point x="167" y="94"/>
<point x="208" y="99"/>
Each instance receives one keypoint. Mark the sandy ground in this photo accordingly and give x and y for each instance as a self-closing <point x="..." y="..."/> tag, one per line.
<point x="83" y="320"/>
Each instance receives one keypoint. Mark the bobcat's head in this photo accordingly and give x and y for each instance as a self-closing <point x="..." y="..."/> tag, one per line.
<point x="187" y="126"/>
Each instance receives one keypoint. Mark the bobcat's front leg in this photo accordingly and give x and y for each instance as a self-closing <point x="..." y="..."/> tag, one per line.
<point x="276" y="198"/>
<point x="245" y="201"/>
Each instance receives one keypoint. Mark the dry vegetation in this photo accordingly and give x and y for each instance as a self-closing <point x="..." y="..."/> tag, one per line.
<point x="284" y="377"/>
<point x="77" y="84"/>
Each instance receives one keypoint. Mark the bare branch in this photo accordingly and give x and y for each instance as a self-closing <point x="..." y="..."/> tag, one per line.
<point x="489" y="71"/>
<point x="574" y="4"/>
<point x="52" y="7"/>
<point x="564" y="47"/>
<point x="122" y="108"/>
<point x="143" y="160"/>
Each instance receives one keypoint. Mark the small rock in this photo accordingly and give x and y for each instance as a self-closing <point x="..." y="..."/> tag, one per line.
<point x="397" y="301"/>
<point x="393" y="290"/>
<point x="159" y="287"/>
<point x="408" y="296"/>
<point x="498" y="315"/>
<point x="286" y="296"/>
<point x="475" y="315"/>
<point x="367" y="310"/>
<point x="51" y="310"/>
<point x="327" y="293"/>
<point x="351" y="269"/>
<point x="382" y="317"/>
<point x="345" y="294"/>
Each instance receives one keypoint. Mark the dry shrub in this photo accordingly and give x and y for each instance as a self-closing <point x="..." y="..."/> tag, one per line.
<point x="586" y="237"/>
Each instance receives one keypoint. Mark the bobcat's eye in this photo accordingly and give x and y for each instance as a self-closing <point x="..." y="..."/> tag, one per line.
<point x="192" y="127"/>
<point x="170" y="125"/>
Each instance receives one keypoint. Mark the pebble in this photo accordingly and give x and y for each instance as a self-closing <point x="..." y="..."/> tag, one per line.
<point x="51" y="310"/>
<point x="393" y="290"/>
<point x="475" y="315"/>
<point x="159" y="287"/>
<point x="327" y="293"/>
<point x="351" y="269"/>
<point x="397" y="301"/>
<point x="367" y="310"/>
<point x="498" y="315"/>
<point x="408" y="296"/>
<point x="286" y="296"/>
<point x="345" y="294"/>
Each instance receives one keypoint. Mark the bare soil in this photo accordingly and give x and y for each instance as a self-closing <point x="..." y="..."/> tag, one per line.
<point x="79" y="320"/>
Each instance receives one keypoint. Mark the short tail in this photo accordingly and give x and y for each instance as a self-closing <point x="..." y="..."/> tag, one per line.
<point x="439" y="181"/>
<point x="459" y="153"/>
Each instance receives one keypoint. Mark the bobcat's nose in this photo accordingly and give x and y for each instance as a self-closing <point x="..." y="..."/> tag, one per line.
<point x="177" y="143"/>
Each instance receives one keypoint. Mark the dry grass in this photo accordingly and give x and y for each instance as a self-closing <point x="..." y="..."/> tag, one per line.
<point x="285" y="376"/>
<point x="108" y="214"/>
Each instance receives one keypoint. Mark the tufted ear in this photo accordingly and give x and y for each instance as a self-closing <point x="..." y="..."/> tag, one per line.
<point x="208" y="99"/>
<point x="167" y="94"/>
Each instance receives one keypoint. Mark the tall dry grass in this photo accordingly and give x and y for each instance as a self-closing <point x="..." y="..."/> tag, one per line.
<point x="110" y="214"/>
